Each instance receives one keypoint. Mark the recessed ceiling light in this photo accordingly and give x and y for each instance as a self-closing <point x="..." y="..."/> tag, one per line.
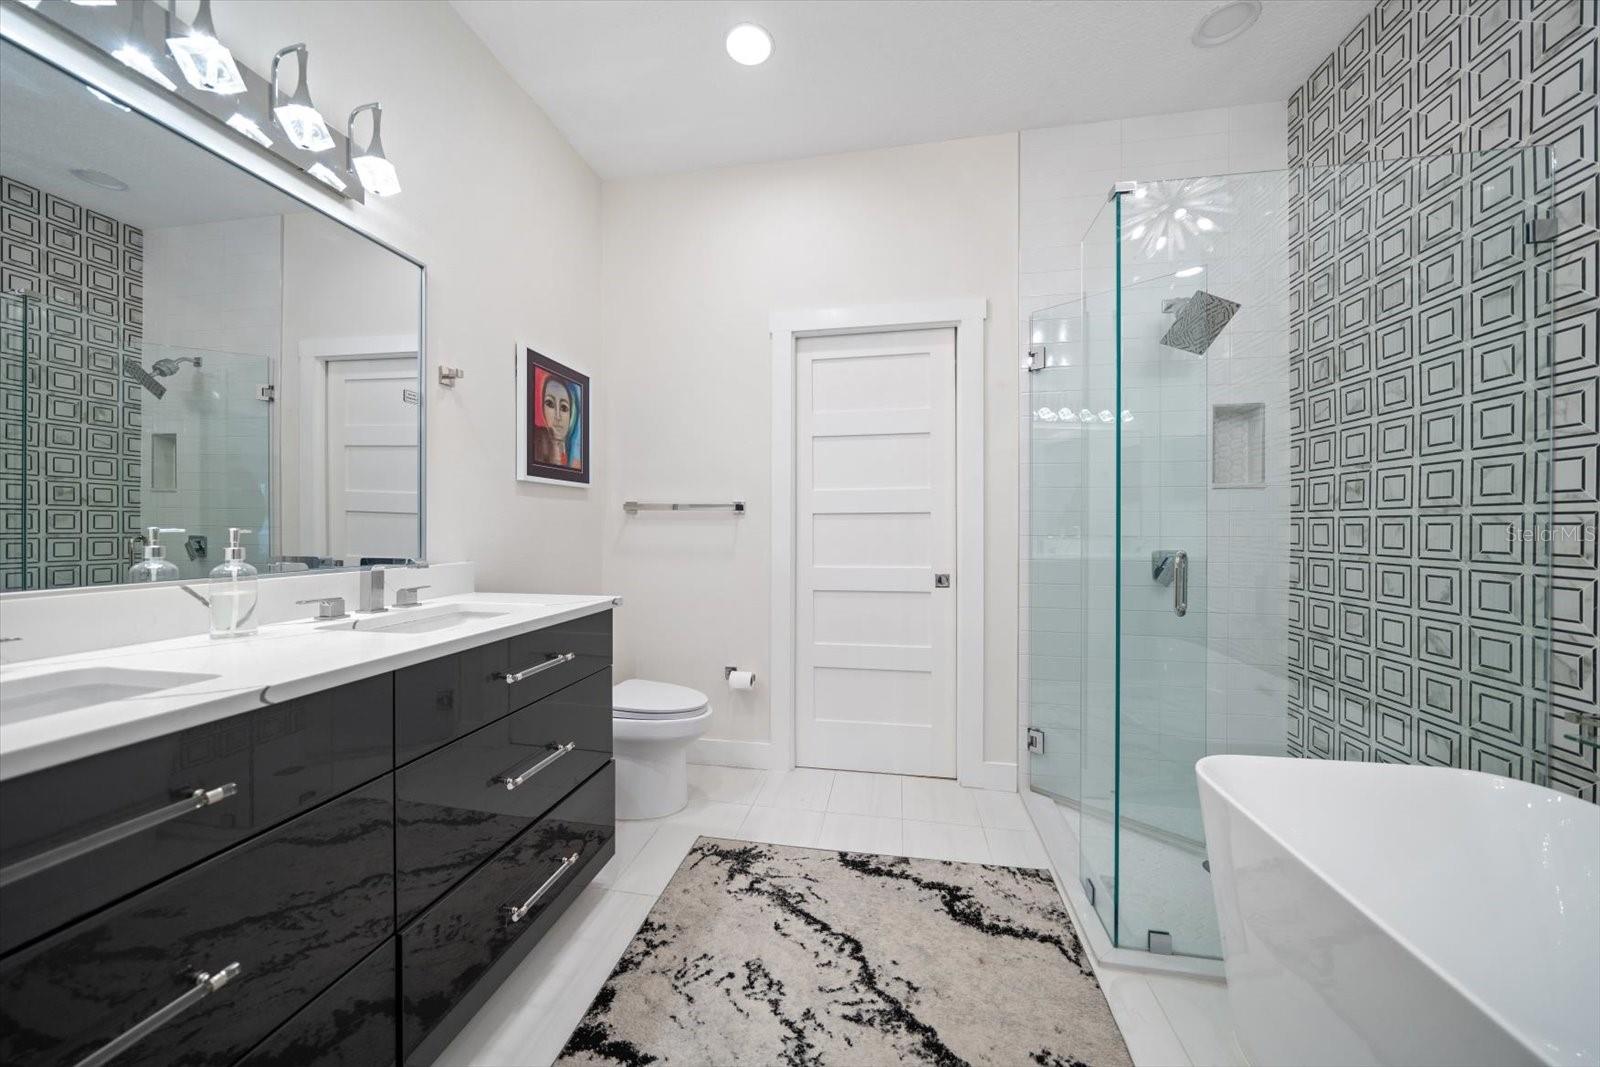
<point x="749" y="44"/>
<point x="1225" y="22"/>
<point x="100" y="179"/>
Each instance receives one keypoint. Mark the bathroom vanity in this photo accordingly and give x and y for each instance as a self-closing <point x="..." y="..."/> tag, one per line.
<point x="327" y="843"/>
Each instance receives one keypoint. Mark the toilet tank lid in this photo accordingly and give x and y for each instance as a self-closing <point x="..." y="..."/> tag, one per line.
<point x="642" y="696"/>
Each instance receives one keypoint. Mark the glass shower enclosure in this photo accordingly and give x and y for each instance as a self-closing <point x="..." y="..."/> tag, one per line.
<point x="1286" y="459"/>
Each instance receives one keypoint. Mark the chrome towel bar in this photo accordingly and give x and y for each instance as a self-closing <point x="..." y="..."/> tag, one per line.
<point x="633" y="507"/>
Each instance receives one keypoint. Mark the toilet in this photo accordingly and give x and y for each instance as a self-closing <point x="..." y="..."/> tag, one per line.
<point x="653" y="724"/>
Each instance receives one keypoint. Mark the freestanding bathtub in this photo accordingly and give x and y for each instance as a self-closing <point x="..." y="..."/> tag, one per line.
<point x="1374" y="913"/>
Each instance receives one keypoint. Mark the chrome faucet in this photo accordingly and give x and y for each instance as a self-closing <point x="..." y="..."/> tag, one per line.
<point x="372" y="589"/>
<point x="372" y="584"/>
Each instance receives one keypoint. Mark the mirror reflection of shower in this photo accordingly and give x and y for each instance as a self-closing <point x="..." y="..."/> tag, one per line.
<point x="166" y="368"/>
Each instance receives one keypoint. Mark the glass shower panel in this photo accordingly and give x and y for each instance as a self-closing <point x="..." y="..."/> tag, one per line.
<point x="1098" y="825"/>
<point x="1054" y="611"/>
<point x="18" y="440"/>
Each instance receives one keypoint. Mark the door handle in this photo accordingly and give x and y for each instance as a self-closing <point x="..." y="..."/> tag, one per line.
<point x="1180" y="583"/>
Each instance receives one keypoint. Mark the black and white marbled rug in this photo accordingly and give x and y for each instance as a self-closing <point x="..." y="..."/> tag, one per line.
<point x="765" y="954"/>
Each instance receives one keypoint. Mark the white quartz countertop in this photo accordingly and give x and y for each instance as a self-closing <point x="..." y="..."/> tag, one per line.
<point x="280" y="662"/>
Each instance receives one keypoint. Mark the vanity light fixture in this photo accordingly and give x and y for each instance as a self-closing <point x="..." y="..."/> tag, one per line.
<point x="324" y="174"/>
<point x="248" y="126"/>
<point x="301" y="121"/>
<point x="133" y="56"/>
<point x="749" y="44"/>
<point x="205" y="61"/>
<point x="369" y="164"/>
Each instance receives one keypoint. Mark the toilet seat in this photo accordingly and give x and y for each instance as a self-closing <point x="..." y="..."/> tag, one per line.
<point x="641" y="698"/>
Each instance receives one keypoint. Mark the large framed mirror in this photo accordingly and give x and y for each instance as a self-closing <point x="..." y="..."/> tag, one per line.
<point x="186" y="348"/>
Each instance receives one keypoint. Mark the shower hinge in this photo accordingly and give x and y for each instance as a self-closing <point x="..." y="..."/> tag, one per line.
<point x="1088" y="890"/>
<point x="1542" y="229"/>
<point x="1035" y="741"/>
<point x="1036" y="360"/>
<point x="266" y="393"/>
<point x="1159" y="942"/>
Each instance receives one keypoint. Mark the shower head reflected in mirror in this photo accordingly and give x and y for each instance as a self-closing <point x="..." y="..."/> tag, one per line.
<point x="166" y="368"/>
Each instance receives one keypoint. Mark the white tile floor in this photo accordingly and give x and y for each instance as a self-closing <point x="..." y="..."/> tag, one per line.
<point x="1165" y="1020"/>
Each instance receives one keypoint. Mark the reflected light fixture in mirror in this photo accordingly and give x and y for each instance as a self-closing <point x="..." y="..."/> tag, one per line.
<point x="324" y="174"/>
<point x="242" y="123"/>
<point x="131" y="53"/>
<point x="301" y="122"/>
<point x="205" y="61"/>
<point x="377" y="174"/>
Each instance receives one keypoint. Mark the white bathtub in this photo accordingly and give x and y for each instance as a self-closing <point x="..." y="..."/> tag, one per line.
<point x="1373" y="913"/>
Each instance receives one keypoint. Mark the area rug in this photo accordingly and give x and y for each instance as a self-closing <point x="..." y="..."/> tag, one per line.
<point x="765" y="954"/>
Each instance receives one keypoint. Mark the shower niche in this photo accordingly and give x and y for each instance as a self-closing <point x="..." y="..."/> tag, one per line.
<point x="1238" y="446"/>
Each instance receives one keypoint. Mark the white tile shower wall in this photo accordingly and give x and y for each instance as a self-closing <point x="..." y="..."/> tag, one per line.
<point x="1066" y="173"/>
<point x="213" y="291"/>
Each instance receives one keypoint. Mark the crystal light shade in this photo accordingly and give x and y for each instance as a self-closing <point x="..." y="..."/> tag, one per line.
<point x="304" y="126"/>
<point x="206" y="64"/>
<point x="377" y="175"/>
<point x="324" y="174"/>
<point x="250" y="128"/>
<point x="135" y="58"/>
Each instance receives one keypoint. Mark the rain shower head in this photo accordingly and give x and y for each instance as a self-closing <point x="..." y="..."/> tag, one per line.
<point x="131" y="368"/>
<point x="166" y="368"/>
<point x="1200" y="319"/>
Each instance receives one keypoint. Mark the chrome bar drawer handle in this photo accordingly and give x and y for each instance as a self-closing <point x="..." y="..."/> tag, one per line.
<point x="204" y="985"/>
<point x="560" y="750"/>
<point x="553" y="661"/>
<point x="200" y="798"/>
<point x="517" y="912"/>
<point x="1180" y="583"/>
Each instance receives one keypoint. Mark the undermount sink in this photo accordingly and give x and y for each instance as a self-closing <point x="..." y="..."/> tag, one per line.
<point x="46" y="694"/>
<point x="420" y="620"/>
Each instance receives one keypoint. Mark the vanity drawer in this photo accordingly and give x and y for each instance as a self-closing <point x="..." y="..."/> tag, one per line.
<point x="293" y="909"/>
<point x="455" y="807"/>
<point x="455" y="952"/>
<point x="350" y="1025"/>
<point x="79" y="836"/>
<point x="544" y="661"/>
<point x="438" y="701"/>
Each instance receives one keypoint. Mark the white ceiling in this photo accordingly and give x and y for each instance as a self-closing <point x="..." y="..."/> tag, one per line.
<point x="644" y="86"/>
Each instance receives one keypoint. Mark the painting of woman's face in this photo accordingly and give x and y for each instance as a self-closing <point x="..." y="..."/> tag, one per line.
<point x="553" y="405"/>
<point x="557" y="407"/>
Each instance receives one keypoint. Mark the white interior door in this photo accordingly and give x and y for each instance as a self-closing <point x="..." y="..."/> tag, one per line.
<point x="372" y="457"/>
<point x="875" y="524"/>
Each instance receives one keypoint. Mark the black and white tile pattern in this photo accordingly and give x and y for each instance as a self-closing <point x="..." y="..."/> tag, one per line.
<point x="1436" y="358"/>
<point x="77" y="413"/>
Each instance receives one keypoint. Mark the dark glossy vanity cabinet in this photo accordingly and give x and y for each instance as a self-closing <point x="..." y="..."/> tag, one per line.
<point x="338" y="879"/>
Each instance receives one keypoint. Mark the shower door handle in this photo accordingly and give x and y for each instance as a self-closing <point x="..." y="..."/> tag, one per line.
<point x="1180" y="583"/>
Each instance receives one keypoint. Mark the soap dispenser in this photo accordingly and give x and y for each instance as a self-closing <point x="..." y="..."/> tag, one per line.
<point x="233" y="592"/>
<point x="155" y="567"/>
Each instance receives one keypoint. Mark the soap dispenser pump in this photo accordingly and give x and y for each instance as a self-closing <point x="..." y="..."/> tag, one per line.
<point x="233" y="592"/>
<point x="155" y="567"/>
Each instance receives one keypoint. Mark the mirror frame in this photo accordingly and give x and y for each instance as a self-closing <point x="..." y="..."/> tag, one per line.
<point x="81" y="62"/>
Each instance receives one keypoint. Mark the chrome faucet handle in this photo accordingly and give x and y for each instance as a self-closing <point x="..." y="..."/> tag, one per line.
<point x="328" y="607"/>
<point x="406" y="596"/>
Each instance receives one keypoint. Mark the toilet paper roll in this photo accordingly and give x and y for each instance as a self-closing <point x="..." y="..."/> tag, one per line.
<point x="742" y="680"/>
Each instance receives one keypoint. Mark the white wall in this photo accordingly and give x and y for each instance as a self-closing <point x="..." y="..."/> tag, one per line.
<point x="507" y="218"/>
<point x="1066" y="617"/>
<point x="694" y="265"/>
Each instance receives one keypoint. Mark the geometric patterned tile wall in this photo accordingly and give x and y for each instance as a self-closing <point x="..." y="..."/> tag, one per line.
<point x="1445" y="377"/>
<point x="84" y="274"/>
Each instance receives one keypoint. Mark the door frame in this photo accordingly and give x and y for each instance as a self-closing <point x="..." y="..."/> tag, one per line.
<point x="315" y="353"/>
<point x="967" y="317"/>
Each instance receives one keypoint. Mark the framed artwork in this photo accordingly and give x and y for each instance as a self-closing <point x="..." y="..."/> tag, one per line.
<point x="553" y="406"/>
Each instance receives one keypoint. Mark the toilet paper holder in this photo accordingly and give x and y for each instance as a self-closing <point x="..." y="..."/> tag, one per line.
<point x="727" y="672"/>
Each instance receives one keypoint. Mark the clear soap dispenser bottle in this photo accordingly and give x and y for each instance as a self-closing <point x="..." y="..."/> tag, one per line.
<point x="233" y="592"/>
<point x="155" y="567"/>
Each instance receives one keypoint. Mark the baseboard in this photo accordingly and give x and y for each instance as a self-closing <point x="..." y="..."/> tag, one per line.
<point x="716" y="752"/>
<point x="992" y="774"/>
